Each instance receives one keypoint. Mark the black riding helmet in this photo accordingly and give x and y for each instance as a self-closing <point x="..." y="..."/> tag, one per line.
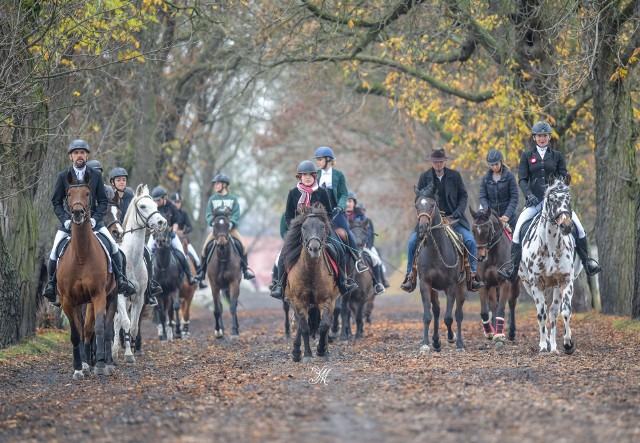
<point x="117" y="172"/>
<point x="541" y="128"/>
<point x="352" y="196"/>
<point x="307" y="167"/>
<point x="158" y="192"/>
<point x="95" y="164"/>
<point x="494" y="157"/>
<point x="222" y="178"/>
<point x="78" y="144"/>
<point x="175" y="197"/>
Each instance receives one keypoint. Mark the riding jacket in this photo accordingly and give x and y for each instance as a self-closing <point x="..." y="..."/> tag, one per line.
<point x="125" y="201"/>
<point x="169" y="212"/>
<point x="455" y="194"/>
<point x="230" y="201"/>
<point x="184" y="223"/>
<point x="500" y="196"/>
<point x="338" y="188"/>
<point x="533" y="173"/>
<point x="99" y="201"/>
<point x="320" y="196"/>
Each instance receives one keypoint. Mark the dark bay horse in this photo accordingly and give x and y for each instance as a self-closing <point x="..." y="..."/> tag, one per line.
<point x="365" y="293"/>
<point x="186" y="291"/>
<point x="493" y="252"/>
<point x="83" y="278"/>
<point x="440" y="268"/>
<point x="111" y="220"/>
<point x="168" y="272"/>
<point x="310" y="284"/>
<point x="224" y="271"/>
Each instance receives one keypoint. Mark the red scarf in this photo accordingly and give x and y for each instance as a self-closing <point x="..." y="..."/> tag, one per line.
<point x="306" y="191"/>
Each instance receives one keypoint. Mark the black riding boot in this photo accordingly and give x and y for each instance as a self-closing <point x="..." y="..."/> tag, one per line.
<point x="277" y="291"/>
<point x="124" y="285"/>
<point x="274" y="277"/>
<point x="591" y="267"/>
<point x="378" y="287"/>
<point x="361" y="266"/>
<point x="516" y="254"/>
<point x="153" y="287"/>
<point x="344" y="283"/>
<point x="410" y="280"/>
<point x="186" y="268"/>
<point x="248" y="274"/>
<point x="50" y="292"/>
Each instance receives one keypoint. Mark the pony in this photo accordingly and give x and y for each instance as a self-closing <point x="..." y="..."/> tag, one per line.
<point x="142" y="214"/>
<point x="365" y="293"/>
<point x="83" y="278"/>
<point x="224" y="271"/>
<point x="493" y="252"/>
<point x="549" y="265"/>
<point x="168" y="272"/>
<point x="310" y="286"/>
<point x="440" y="268"/>
<point x="186" y="292"/>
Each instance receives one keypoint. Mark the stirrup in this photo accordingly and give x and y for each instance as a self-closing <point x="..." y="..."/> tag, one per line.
<point x="277" y="292"/>
<point x="591" y="267"/>
<point x="152" y="301"/>
<point x="361" y="266"/>
<point x="409" y="284"/>
<point x="378" y="288"/>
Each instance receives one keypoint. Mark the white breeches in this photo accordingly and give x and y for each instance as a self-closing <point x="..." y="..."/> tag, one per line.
<point x="175" y="242"/>
<point x="530" y="212"/>
<point x="375" y="258"/>
<point x="193" y="254"/>
<point x="61" y="235"/>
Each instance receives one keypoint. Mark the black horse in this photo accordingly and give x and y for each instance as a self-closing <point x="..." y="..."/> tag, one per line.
<point x="365" y="293"/>
<point x="168" y="272"/>
<point x="440" y="268"/>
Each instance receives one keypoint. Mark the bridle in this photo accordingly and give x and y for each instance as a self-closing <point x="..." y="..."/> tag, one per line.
<point x="557" y="215"/>
<point x="141" y="216"/>
<point x="494" y="237"/>
<point x="115" y="220"/>
<point x="306" y="241"/>
<point x="85" y="211"/>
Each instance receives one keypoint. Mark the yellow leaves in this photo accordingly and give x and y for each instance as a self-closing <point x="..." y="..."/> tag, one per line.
<point x="351" y="24"/>
<point x="618" y="75"/>
<point x="95" y="128"/>
<point x="76" y="93"/>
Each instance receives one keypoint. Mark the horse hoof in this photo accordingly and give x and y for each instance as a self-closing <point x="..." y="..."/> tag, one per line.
<point x="78" y="375"/>
<point x="425" y="349"/>
<point x="86" y="369"/>
<point x="100" y="370"/>
<point x="570" y="348"/>
<point x="452" y="339"/>
<point x="326" y="358"/>
<point x="461" y="350"/>
<point x="488" y="336"/>
<point x="129" y="359"/>
<point x="296" y="358"/>
<point x="219" y="333"/>
<point x="511" y="337"/>
<point x="497" y="337"/>
<point x="110" y="369"/>
<point x="331" y="339"/>
<point x="498" y="343"/>
<point x="307" y="360"/>
<point x="233" y="338"/>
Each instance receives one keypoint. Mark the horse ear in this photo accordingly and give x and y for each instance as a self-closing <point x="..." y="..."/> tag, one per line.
<point x="488" y="211"/>
<point x="140" y="189"/>
<point x="567" y="179"/>
<point x="473" y="213"/>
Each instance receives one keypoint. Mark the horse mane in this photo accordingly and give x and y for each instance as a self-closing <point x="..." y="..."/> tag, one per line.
<point x="427" y="192"/>
<point x="293" y="240"/>
<point x="141" y="190"/>
<point x="558" y="184"/>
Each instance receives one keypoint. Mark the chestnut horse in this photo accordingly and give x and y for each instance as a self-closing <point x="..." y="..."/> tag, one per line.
<point x="310" y="286"/>
<point x="224" y="271"/>
<point x="493" y="252"/>
<point x="186" y="292"/>
<point x="83" y="278"/>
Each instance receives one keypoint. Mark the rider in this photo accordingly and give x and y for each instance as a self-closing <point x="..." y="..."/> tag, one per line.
<point x="536" y="165"/>
<point x="307" y="193"/>
<point x="78" y="151"/>
<point x="170" y="213"/>
<point x="334" y="182"/>
<point x="119" y="178"/>
<point x="452" y="201"/>
<point x="355" y="214"/>
<point x="184" y="225"/>
<point x="222" y="197"/>
<point x="498" y="189"/>
<point x="370" y="243"/>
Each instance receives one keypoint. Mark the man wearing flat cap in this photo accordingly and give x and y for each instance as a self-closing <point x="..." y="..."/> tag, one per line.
<point x="451" y="195"/>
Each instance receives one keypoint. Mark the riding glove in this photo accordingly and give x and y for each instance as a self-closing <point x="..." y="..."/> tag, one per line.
<point x="532" y="200"/>
<point x="93" y="222"/>
<point x="337" y="210"/>
<point x="67" y="224"/>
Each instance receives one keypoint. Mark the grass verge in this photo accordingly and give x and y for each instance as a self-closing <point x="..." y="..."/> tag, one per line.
<point x="45" y="341"/>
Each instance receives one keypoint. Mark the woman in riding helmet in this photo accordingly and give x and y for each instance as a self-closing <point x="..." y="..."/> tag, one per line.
<point x="536" y="165"/>
<point x="498" y="189"/>
<point x="119" y="177"/>
<point x="307" y="194"/>
<point x="333" y="181"/>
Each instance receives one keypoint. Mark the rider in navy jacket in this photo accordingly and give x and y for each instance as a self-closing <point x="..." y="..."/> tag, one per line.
<point x="500" y="195"/>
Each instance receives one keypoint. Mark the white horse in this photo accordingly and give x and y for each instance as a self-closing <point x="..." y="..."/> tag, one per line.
<point x="548" y="266"/>
<point x="141" y="214"/>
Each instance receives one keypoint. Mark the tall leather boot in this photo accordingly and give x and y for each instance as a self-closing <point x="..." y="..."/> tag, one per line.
<point x="278" y="289"/>
<point x="248" y="274"/>
<point x="410" y="280"/>
<point x="378" y="288"/>
<point x="124" y="286"/>
<point x="591" y="267"/>
<point x="274" y="277"/>
<point x="50" y="292"/>
<point x="202" y="270"/>
<point x="516" y="254"/>
<point x="361" y="266"/>
<point x="153" y="287"/>
<point x="344" y="283"/>
<point x="186" y="268"/>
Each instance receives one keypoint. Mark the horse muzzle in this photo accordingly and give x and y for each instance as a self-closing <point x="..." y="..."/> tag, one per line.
<point x="482" y="254"/>
<point x="314" y="246"/>
<point x="563" y="221"/>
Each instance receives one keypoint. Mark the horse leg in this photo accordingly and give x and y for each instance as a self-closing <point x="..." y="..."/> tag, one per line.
<point x="233" y="309"/>
<point x="303" y="327"/>
<point x="514" y="292"/>
<point x="359" y="320"/>
<point x="295" y="354"/>
<point x="541" y="308"/>
<point x="109" y="334"/>
<point x="287" y="325"/>
<point x="448" y="317"/>
<point x="217" y="311"/>
<point x="425" y="293"/>
<point x="435" y="308"/>
<point x="89" y="336"/>
<point x="333" y="333"/>
<point x="484" y="312"/>
<point x="346" y="314"/>
<point x="126" y="326"/>
<point x="323" y="330"/>
<point x="503" y="293"/>
<point x="569" y="344"/>
<point x="99" y="310"/>
<point x="554" y="311"/>
<point x="76" y="337"/>
<point x="459" y="291"/>
<point x="176" y="314"/>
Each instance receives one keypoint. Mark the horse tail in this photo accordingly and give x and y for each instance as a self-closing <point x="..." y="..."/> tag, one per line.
<point x="314" y="320"/>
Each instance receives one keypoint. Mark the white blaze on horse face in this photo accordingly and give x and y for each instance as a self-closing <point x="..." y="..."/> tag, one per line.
<point x="423" y="201"/>
<point x="221" y="222"/>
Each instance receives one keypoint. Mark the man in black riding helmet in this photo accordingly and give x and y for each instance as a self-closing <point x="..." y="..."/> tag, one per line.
<point x="119" y="178"/>
<point x="78" y="152"/>
<point x="170" y="213"/>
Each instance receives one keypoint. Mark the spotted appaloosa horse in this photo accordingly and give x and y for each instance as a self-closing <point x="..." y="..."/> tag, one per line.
<point x="493" y="252"/>
<point x="548" y="265"/>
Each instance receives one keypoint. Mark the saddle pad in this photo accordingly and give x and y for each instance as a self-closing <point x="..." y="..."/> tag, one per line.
<point x="62" y="247"/>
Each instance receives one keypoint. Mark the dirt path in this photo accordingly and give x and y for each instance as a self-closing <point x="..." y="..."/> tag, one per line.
<point x="377" y="389"/>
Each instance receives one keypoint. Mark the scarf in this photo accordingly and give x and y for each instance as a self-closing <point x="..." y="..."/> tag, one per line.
<point x="306" y="191"/>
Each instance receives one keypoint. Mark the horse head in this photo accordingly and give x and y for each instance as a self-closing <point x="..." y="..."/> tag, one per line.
<point x="486" y="229"/>
<point x="112" y="222"/>
<point x="162" y="238"/>
<point x="143" y="212"/>
<point x="78" y="199"/>
<point x="314" y="231"/>
<point x="557" y="206"/>
<point x="427" y="209"/>
<point x="222" y="225"/>
<point x="360" y="230"/>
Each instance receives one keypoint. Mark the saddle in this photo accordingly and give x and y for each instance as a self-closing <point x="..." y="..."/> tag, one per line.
<point x="524" y="232"/>
<point x="104" y="241"/>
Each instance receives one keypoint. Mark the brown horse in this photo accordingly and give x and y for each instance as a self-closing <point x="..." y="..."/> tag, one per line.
<point x="186" y="291"/>
<point x="111" y="220"/>
<point x="493" y="252"/>
<point x="83" y="278"/>
<point x="224" y="271"/>
<point x="439" y="269"/>
<point x="365" y="293"/>
<point x="310" y="287"/>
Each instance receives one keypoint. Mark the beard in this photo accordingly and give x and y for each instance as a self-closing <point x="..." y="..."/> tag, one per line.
<point x="80" y="163"/>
